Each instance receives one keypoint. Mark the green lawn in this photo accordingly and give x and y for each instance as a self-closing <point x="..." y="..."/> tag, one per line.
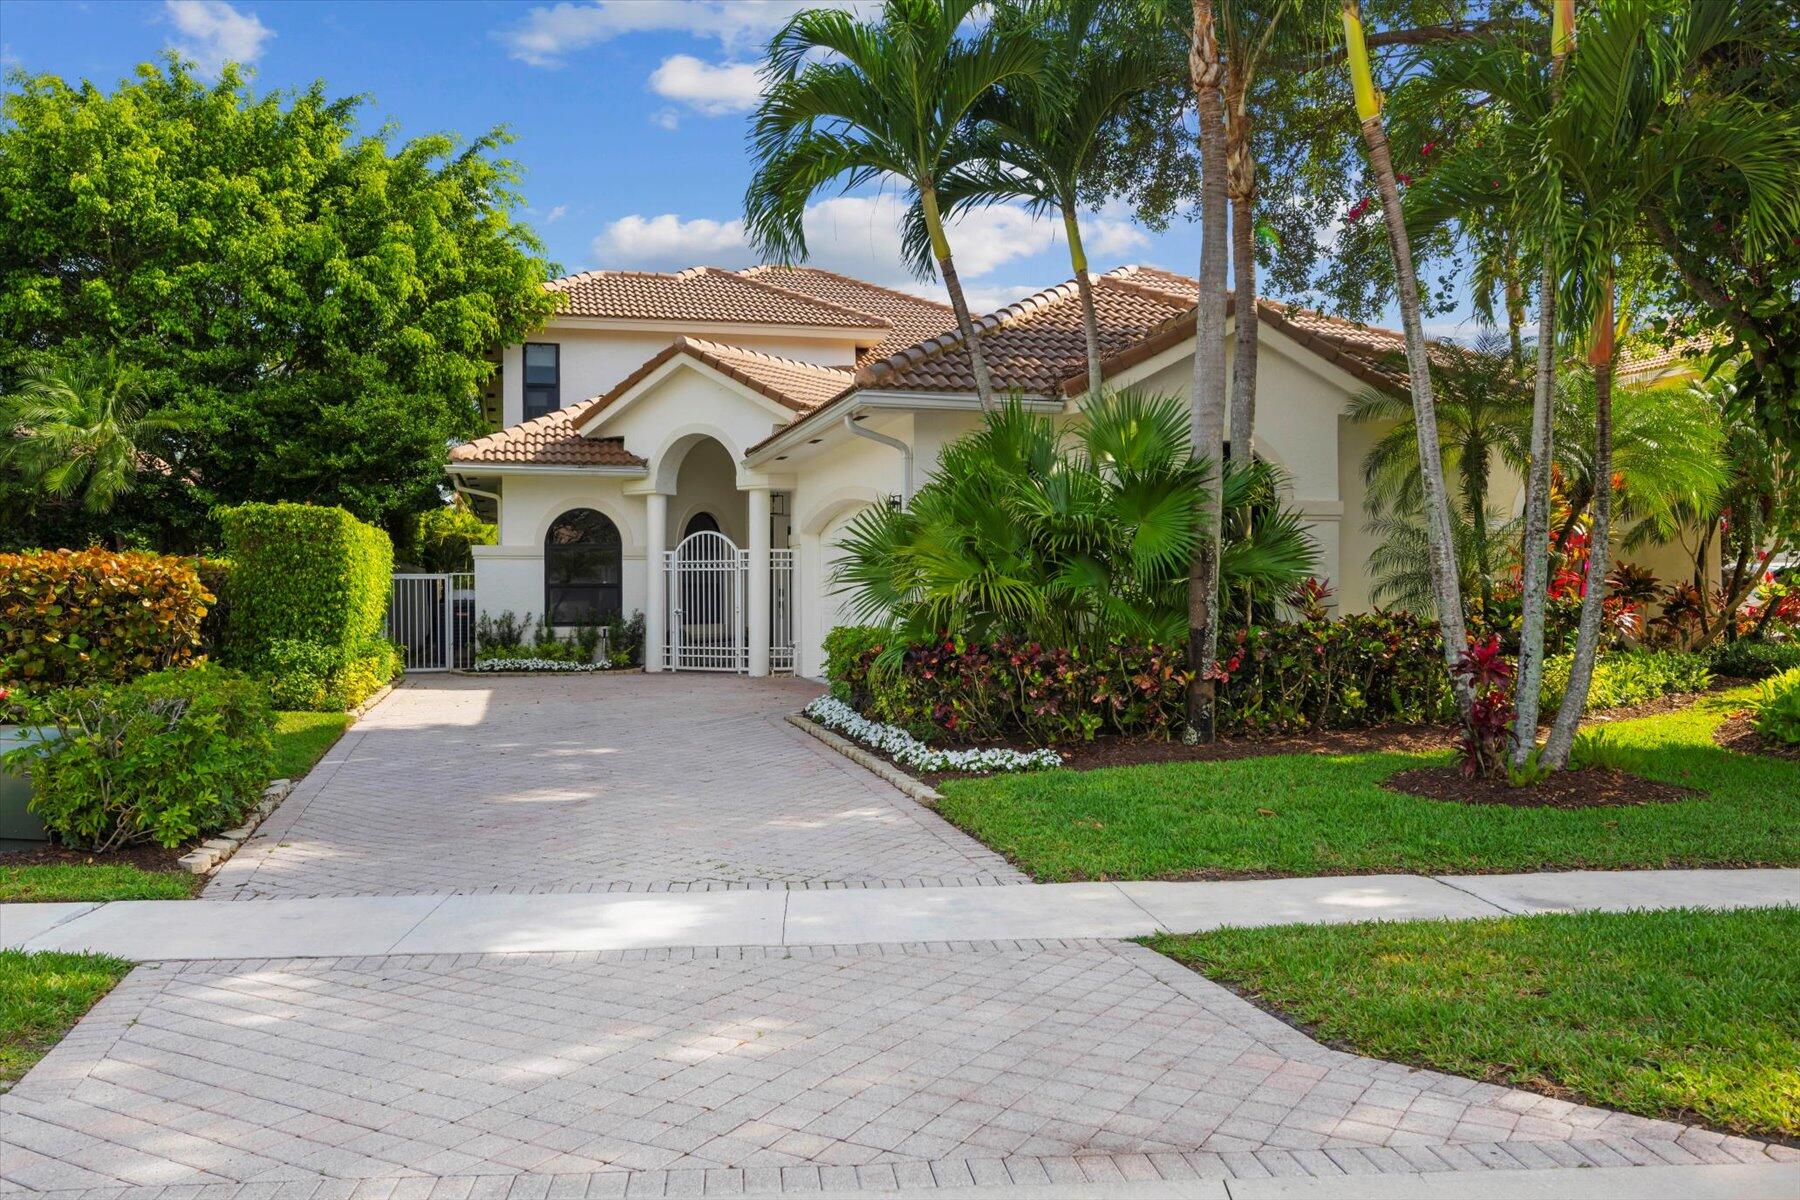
<point x="1681" y="1014"/>
<point x="302" y="738"/>
<point x="1329" y="814"/>
<point x="41" y="996"/>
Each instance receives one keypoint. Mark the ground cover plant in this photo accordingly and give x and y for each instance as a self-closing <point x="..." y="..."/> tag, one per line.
<point x="1327" y="814"/>
<point x="41" y="998"/>
<point x="1680" y="1014"/>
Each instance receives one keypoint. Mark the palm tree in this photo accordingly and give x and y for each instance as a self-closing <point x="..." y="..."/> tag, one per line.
<point x="1073" y="537"/>
<point x="1207" y="412"/>
<point x="889" y="100"/>
<point x="1247" y="35"/>
<point x="79" y="430"/>
<point x="1401" y="564"/>
<point x="1433" y="500"/>
<point x="1480" y="404"/>
<point x="1032" y="139"/>
<point x="1631" y="123"/>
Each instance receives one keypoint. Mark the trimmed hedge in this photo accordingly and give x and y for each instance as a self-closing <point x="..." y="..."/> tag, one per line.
<point x="1749" y="659"/>
<point x="308" y="589"/>
<point x="70" y="617"/>
<point x="166" y="758"/>
<point x="1629" y="677"/>
<point x="304" y="573"/>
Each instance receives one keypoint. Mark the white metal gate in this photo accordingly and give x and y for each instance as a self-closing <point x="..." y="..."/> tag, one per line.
<point x="708" y="606"/>
<point x="432" y="619"/>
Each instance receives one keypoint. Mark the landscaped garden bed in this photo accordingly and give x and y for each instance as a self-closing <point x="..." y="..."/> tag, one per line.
<point x="1685" y="1015"/>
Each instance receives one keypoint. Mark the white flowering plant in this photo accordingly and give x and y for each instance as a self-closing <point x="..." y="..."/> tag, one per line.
<point x="493" y="665"/>
<point x="908" y="751"/>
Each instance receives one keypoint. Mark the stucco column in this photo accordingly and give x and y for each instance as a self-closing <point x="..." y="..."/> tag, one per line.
<point x="758" y="616"/>
<point x="656" y="602"/>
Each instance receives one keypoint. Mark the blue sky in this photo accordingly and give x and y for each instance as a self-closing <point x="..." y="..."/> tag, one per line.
<point x="629" y="117"/>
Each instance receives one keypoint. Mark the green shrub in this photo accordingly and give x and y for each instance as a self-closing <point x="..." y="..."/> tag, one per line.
<point x="1362" y="669"/>
<point x="215" y="577"/>
<point x="303" y="573"/>
<point x="1750" y="659"/>
<point x="1776" y="709"/>
<point x="1630" y="677"/>
<point x="93" y="616"/>
<point x="307" y="677"/>
<point x="847" y="657"/>
<point x="441" y="539"/>
<point x="168" y="757"/>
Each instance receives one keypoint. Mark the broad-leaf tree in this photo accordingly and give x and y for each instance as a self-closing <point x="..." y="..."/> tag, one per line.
<point x="852" y="101"/>
<point x="317" y="305"/>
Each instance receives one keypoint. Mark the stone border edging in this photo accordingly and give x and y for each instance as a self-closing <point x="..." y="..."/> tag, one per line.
<point x="381" y="693"/>
<point x="207" y="857"/>
<point x="915" y="788"/>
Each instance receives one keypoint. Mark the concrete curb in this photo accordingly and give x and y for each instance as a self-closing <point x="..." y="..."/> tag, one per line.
<point x="917" y="789"/>
<point x="206" y="858"/>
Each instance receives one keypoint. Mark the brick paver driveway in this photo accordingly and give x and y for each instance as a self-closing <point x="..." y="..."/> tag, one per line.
<point x="594" y="783"/>
<point x="747" y="1069"/>
<point x="739" y="1069"/>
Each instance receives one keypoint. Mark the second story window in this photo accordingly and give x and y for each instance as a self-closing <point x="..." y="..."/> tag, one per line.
<point x="543" y="378"/>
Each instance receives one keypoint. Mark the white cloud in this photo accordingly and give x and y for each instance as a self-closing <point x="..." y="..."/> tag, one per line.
<point x="212" y="33"/>
<point x="547" y="36"/>
<point x="1110" y="232"/>
<point x="857" y="235"/>
<point x="983" y="300"/>
<point x="556" y="214"/>
<point x="711" y="88"/>
<point x="666" y="118"/>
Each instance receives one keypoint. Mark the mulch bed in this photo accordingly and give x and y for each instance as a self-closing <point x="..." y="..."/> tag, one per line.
<point x="145" y="858"/>
<point x="1738" y="733"/>
<point x="1593" y="788"/>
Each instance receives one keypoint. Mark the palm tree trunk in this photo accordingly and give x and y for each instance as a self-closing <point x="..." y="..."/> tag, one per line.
<point x="1475" y="493"/>
<point x="965" y="325"/>
<point x="1090" y="319"/>
<point x="1445" y="586"/>
<point x="1207" y="423"/>
<point x="1587" y="632"/>
<point x="1535" y="573"/>
<point x="1240" y="182"/>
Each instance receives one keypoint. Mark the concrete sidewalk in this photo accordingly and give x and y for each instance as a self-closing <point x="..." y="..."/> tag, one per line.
<point x="332" y="927"/>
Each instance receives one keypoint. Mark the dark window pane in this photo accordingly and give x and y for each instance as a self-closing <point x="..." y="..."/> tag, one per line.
<point x="541" y="363"/>
<point x="539" y="401"/>
<point x="582" y="569"/>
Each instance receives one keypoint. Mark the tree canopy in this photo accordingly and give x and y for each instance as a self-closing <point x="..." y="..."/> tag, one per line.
<point x="317" y="305"/>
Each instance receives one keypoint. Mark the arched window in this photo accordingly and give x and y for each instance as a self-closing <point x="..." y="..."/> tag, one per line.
<point x="581" y="569"/>
<point x="701" y="522"/>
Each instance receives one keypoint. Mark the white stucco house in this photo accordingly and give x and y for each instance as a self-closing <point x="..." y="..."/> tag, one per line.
<point x="691" y="445"/>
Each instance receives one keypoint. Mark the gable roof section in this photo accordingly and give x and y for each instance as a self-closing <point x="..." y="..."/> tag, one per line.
<point x="913" y="318"/>
<point x="797" y="386"/>
<point x="1034" y="344"/>
<point x="547" y="441"/>
<point x="701" y="294"/>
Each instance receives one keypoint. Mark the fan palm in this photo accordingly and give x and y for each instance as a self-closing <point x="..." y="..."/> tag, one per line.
<point x="1481" y="403"/>
<point x="1071" y="538"/>
<point x="80" y="430"/>
<point x="1032" y="139"/>
<point x="889" y="100"/>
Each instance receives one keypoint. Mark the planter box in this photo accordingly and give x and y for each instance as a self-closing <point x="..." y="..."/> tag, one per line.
<point x="17" y="822"/>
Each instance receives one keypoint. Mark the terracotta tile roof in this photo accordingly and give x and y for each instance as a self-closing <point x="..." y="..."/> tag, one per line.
<point x="801" y="386"/>
<point x="552" y="440"/>
<point x="701" y="294"/>
<point x="1374" y="355"/>
<point x="1034" y="344"/>
<point x="1651" y="363"/>
<point x="548" y="441"/>
<point x="914" y="318"/>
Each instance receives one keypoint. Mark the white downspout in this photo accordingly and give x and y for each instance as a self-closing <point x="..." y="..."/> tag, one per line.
<point x="906" y="484"/>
